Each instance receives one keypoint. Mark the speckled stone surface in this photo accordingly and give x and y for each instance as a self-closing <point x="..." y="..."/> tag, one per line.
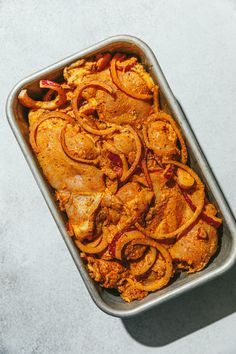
<point x="44" y="306"/>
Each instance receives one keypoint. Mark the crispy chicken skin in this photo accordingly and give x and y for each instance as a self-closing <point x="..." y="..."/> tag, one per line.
<point x="118" y="164"/>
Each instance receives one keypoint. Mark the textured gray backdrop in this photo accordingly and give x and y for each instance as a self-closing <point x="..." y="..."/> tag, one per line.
<point x="44" y="306"/>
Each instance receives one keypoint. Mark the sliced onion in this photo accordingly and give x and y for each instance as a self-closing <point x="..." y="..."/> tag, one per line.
<point x="124" y="64"/>
<point x="146" y="262"/>
<point x="91" y="130"/>
<point x="43" y="118"/>
<point x="141" y="229"/>
<point x="209" y="219"/>
<point x="92" y="247"/>
<point x="127" y="174"/>
<point x="95" y="243"/>
<point x="198" y="210"/>
<point x="125" y="166"/>
<point x="80" y="117"/>
<point x="168" y="172"/>
<point x="155" y="99"/>
<point x="123" y="239"/>
<point x="146" y="172"/>
<point x="159" y="283"/>
<point x="95" y="83"/>
<point x="48" y="96"/>
<point x="184" y="180"/>
<point x="112" y="246"/>
<point x="167" y="118"/>
<point x="118" y="83"/>
<point x="26" y="101"/>
<point x="89" y="107"/>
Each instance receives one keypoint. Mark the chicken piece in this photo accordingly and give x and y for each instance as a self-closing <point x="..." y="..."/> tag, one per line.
<point x="193" y="251"/>
<point x="75" y="73"/>
<point x="81" y="145"/>
<point x="134" y="252"/>
<point x="111" y="208"/>
<point x="107" y="273"/>
<point x="139" y="69"/>
<point x="123" y="108"/>
<point x="124" y="142"/>
<point x="137" y="206"/>
<point x="128" y="191"/>
<point x="133" y="207"/>
<point x="34" y="115"/>
<point x="136" y="202"/>
<point x="119" y="151"/>
<point x="111" y="201"/>
<point x="129" y="293"/>
<point x="119" y="108"/>
<point x="156" y="272"/>
<point x="162" y="139"/>
<point x="170" y="210"/>
<point x="184" y="179"/>
<point x="81" y="210"/>
<point x="111" y="274"/>
<point x="57" y="167"/>
<point x="79" y="185"/>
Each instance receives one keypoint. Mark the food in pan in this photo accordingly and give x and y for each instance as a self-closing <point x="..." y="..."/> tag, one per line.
<point x="119" y="166"/>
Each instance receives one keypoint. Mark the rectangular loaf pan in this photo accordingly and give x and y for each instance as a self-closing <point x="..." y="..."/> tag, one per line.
<point x="105" y="300"/>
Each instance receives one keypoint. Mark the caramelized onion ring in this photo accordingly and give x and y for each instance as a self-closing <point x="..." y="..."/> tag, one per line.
<point x="127" y="174"/>
<point x="43" y="118"/>
<point x="26" y="101"/>
<point x="91" y="247"/>
<point x="167" y="118"/>
<point x="80" y="117"/>
<point x="159" y="283"/>
<point x="118" y="83"/>
<point x="69" y="153"/>
<point x="196" y="213"/>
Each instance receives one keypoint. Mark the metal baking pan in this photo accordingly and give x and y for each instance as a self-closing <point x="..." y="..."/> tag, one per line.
<point x="105" y="300"/>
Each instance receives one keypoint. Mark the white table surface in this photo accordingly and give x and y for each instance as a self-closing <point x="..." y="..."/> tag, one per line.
<point x="44" y="306"/>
